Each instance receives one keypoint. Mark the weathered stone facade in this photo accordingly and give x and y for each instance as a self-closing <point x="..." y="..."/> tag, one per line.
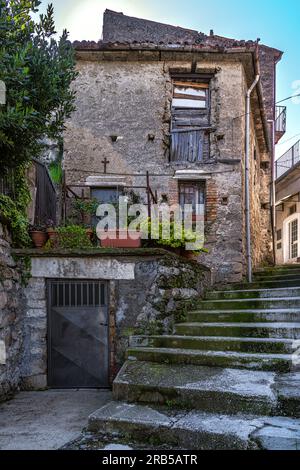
<point x="146" y="293"/>
<point x="124" y="95"/>
<point x="11" y="318"/>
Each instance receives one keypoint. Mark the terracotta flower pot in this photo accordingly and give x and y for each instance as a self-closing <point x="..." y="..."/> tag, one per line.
<point x="52" y="233"/>
<point x="89" y="233"/>
<point x="39" y="238"/>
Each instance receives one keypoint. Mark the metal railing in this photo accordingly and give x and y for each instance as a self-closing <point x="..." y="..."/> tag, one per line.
<point x="7" y="182"/>
<point x="280" y="122"/>
<point x="288" y="160"/>
<point x="78" y="191"/>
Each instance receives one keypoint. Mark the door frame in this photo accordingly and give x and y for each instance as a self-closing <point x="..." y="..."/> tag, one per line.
<point x="48" y="282"/>
<point x="286" y="240"/>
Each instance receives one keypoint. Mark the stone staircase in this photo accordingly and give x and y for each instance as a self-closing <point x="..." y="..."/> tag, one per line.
<point x="226" y="377"/>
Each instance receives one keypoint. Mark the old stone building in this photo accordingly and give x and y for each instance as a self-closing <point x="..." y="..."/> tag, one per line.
<point x="171" y="101"/>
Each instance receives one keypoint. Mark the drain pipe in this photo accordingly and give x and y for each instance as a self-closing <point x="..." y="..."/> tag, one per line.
<point x="247" y="174"/>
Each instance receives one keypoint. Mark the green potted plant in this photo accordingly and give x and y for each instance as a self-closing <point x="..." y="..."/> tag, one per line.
<point x="70" y="237"/>
<point x="38" y="234"/>
<point x="51" y="229"/>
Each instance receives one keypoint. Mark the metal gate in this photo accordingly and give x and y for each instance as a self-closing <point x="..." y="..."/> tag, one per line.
<point x="77" y="334"/>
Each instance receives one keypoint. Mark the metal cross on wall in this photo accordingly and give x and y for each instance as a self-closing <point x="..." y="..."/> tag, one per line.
<point x="105" y="163"/>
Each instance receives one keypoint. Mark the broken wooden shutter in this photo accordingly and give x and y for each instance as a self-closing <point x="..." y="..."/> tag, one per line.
<point x="189" y="118"/>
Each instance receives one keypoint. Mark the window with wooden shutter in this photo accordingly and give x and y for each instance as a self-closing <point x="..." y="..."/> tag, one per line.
<point x="190" y="119"/>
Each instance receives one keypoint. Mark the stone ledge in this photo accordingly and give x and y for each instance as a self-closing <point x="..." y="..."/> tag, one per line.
<point x="96" y="252"/>
<point x="104" y="253"/>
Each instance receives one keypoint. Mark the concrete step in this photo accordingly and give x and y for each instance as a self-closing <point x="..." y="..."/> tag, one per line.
<point x="248" y="330"/>
<point x="255" y="303"/>
<point x="277" y="276"/>
<point x="218" y="343"/>
<point x="195" y="430"/>
<point x="231" y="359"/>
<point x="278" y="268"/>
<point x="254" y="293"/>
<point x="195" y="387"/>
<point x="270" y="284"/>
<point x="246" y="316"/>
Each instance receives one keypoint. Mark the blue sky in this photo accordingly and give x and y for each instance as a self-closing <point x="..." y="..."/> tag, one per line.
<point x="275" y="22"/>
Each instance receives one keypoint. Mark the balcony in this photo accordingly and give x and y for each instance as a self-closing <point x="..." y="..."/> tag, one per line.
<point x="280" y="122"/>
<point x="288" y="160"/>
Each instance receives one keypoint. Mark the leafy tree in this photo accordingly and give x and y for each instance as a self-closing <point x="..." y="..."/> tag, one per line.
<point x="38" y="70"/>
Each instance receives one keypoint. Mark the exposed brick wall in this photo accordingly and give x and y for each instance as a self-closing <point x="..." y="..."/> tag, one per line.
<point x="211" y="200"/>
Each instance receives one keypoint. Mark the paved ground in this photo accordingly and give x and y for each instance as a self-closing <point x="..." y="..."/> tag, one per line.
<point x="47" y="420"/>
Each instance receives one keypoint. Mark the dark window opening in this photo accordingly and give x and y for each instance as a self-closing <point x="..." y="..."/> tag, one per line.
<point x="279" y="234"/>
<point x="193" y="193"/>
<point x="293" y="209"/>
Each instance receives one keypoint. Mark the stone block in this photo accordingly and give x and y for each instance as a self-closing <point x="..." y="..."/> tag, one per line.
<point x="35" y="382"/>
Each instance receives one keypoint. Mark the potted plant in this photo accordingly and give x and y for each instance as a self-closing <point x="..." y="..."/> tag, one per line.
<point x="38" y="234"/>
<point x="70" y="237"/>
<point x="121" y="237"/>
<point x="51" y="230"/>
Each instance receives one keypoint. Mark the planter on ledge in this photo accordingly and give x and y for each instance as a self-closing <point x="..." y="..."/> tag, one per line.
<point x="39" y="238"/>
<point x="120" y="239"/>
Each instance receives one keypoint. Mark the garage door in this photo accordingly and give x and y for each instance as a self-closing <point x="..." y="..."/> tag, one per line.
<point x="77" y="334"/>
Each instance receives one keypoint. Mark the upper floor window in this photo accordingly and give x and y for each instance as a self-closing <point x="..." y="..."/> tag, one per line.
<point x="190" y="121"/>
<point x="190" y="95"/>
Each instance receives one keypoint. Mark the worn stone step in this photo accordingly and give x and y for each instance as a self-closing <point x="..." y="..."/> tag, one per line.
<point x="195" y="430"/>
<point x="277" y="276"/>
<point x="254" y="293"/>
<point x="218" y="343"/>
<point x="270" y="284"/>
<point x="248" y="304"/>
<point x="278" y="268"/>
<point x="195" y="387"/>
<point x="231" y="359"/>
<point x="258" y="330"/>
<point x="257" y="316"/>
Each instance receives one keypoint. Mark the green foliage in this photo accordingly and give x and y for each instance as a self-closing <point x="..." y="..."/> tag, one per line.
<point x="176" y="237"/>
<point x="70" y="237"/>
<point x="85" y="206"/>
<point x="16" y="221"/>
<point x="24" y="269"/>
<point x="38" y="71"/>
<point x="56" y="172"/>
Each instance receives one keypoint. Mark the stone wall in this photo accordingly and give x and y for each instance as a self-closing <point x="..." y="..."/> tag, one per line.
<point x="146" y="294"/>
<point x="11" y="319"/>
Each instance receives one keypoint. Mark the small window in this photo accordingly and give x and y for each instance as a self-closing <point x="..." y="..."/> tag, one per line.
<point x="293" y="209"/>
<point x="190" y="95"/>
<point x="279" y="246"/>
<point x="192" y="193"/>
<point x="279" y="234"/>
